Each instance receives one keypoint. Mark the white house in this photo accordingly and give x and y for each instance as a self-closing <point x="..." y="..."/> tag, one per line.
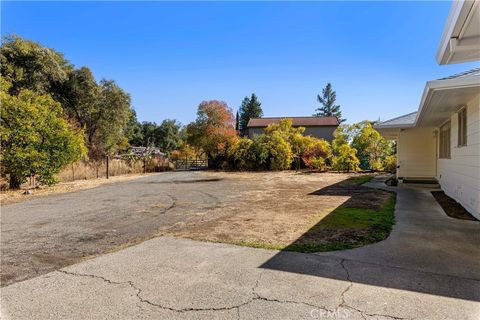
<point x="441" y="140"/>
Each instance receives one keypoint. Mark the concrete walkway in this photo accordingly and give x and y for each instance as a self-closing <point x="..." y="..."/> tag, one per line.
<point x="429" y="268"/>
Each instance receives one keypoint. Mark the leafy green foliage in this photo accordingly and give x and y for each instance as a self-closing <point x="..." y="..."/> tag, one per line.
<point x="316" y="154"/>
<point x="327" y="100"/>
<point x="318" y="163"/>
<point x="280" y="151"/>
<point x="243" y="155"/>
<point x="101" y="109"/>
<point x="250" y="108"/>
<point x="391" y="163"/>
<point x="371" y="147"/>
<point x="168" y="135"/>
<point x="36" y="138"/>
<point x="278" y="148"/>
<point x="28" y="65"/>
<point x="264" y="152"/>
<point x="345" y="159"/>
<point x="133" y="130"/>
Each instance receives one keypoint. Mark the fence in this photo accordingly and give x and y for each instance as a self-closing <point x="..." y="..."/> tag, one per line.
<point x="84" y="170"/>
<point x="198" y="164"/>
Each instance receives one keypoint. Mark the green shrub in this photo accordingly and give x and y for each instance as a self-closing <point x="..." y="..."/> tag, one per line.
<point x="280" y="152"/>
<point x="390" y="163"/>
<point x="346" y="159"/>
<point x="318" y="163"/>
<point x="242" y="155"/>
<point x="36" y="137"/>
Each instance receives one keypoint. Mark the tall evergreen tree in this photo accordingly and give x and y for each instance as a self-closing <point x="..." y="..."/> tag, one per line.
<point x="329" y="108"/>
<point x="250" y="108"/>
<point x="237" y="123"/>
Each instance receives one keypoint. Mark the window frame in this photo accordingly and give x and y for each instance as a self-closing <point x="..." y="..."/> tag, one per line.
<point x="445" y="136"/>
<point x="462" y="127"/>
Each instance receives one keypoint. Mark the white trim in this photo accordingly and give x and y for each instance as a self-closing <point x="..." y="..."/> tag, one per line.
<point x="434" y="85"/>
<point x="454" y="29"/>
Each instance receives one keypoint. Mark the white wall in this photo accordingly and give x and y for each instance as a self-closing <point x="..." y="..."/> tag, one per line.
<point x="459" y="176"/>
<point x="416" y="150"/>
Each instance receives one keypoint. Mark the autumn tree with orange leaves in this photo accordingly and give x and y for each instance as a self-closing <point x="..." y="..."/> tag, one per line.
<point x="213" y="131"/>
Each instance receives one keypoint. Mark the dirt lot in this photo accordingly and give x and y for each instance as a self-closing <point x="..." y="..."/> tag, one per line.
<point x="42" y="234"/>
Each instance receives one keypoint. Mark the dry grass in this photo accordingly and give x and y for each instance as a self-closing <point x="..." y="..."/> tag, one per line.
<point x="84" y="170"/>
<point x="294" y="211"/>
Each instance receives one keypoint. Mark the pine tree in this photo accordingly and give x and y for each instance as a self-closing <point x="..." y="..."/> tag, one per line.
<point x="237" y="124"/>
<point x="251" y="108"/>
<point x="327" y="100"/>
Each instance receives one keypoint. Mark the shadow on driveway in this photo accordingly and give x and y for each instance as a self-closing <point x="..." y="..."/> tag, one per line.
<point x="427" y="251"/>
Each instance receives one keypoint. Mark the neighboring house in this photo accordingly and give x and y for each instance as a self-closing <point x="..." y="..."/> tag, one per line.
<point x="318" y="127"/>
<point x="146" y="151"/>
<point x="442" y="139"/>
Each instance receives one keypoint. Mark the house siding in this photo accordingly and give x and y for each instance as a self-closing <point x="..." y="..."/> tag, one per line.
<point x="416" y="153"/>
<point x="321" y="132"/>
<point x="459" y="176"/>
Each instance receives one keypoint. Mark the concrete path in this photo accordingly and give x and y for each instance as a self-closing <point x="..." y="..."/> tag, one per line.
<point x="429" y="268"/>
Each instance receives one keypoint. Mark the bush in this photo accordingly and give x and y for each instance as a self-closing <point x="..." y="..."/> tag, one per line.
<point x="316" y="153"/>
<point x="36" y="138"/>
<point x="346" y="159"/>
<point x="280" y="151"/>
<point x="390" y="163"/>
<point x="242" y="155"/>
<point x="318" y="163"/>
<point x="264" y="152"/>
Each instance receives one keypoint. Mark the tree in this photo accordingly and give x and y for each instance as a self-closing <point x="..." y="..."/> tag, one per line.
<point x="242" y="155"/>
<point x="329" y="108"/>
<point x="316" y="153"/>
<point x="28" y="65"/>
<point x="133" y="130"/>
<point x="113" y="115"/>
<point x="237" y="122"/>
<point x="341" y="136"/>
<point x="345" y="159"/>
<point x="250" y="108"/>
<point x="149" y="134"/>
<point x="371" y="147"/>
<point x="36" y="138"/>
<point x="102" y="109"/>
<point x="168" y="135"/>
<point x="213" y="131"/>
<point x="294" y="136"/>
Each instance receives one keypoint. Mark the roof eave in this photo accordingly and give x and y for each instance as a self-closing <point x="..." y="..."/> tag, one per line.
<point x="449" y="44"/>
<point x="434" y="85"/>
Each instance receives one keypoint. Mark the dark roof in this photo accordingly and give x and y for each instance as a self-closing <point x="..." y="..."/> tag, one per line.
<point x="296" y="121"/>
<point x="469" y="73"/>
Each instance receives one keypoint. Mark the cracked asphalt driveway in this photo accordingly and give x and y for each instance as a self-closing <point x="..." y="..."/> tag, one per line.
<point x="168" y="278"/>
<point x="428" y="268"/>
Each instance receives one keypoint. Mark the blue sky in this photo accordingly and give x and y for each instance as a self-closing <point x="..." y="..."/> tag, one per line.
<point x="171" y="56"/>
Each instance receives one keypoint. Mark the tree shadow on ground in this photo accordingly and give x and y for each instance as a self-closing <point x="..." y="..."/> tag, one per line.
<point x="342" y="268"/>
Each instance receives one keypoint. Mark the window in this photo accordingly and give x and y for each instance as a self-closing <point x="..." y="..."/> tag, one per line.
<point x="462" y="127"/>
<point x="445" y="141"/>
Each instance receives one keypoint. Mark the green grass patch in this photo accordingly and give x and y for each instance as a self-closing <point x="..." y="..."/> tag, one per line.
<point x="361" y="179"/>
<point x="362" y="226"/>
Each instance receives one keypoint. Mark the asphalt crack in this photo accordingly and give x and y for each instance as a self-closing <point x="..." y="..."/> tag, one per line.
<point x="255" y="297"/>
<point x="363" y="314"/>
